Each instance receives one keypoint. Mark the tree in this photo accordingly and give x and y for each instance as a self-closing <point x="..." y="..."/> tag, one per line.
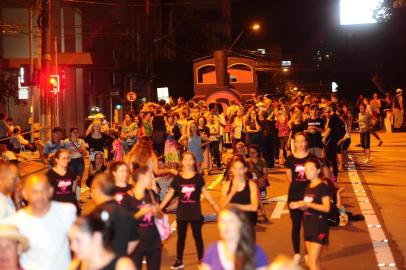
<point x="9" y="86"/>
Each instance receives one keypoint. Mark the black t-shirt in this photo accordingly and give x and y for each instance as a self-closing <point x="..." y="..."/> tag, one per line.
<point x="268" y="127"/>
<point x="63" y="186"/>
<point x="149" y="235"/>
<point x="188" y="191"/>
<point x="315" y="195"/>
<point x="337" y="127"/>
<point x="297" y="128"/>
<point x="299" y="180"/>
<point x="124" y="226"/>
<point x="204" y="130"/>
<point x="314" y="139"/>
<point x="98" y="144"/>
<point x="120" y="193"/>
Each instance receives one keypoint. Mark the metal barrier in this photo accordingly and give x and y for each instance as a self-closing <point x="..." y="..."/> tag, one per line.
<point x="23" y="133"/>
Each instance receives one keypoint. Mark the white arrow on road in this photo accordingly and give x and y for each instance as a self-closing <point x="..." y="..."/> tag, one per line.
<point x="280" y="205"/>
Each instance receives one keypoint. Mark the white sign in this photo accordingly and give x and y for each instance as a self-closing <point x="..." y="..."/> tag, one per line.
<point x="334" y="87"/>
<point x="286" y="63"/>
<point x="23" y="93"/>
<point x="358" y="11"/>
<point x="131" y="96"/>
<point x="163" y="93"/>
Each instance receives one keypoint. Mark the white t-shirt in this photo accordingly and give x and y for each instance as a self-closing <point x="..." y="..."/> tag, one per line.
<point x="47" y="235"/>
<point x="7" y="207"/>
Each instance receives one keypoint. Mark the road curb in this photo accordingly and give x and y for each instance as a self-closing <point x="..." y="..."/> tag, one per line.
<point x="33" y="171"/>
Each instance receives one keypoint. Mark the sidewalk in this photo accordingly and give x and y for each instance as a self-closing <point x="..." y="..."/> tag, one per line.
<point x="29" y="163"/>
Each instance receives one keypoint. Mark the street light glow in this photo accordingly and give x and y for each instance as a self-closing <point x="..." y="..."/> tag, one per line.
<point x="256" y="26"/>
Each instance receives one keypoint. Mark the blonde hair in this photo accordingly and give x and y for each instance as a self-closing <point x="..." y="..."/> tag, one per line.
<point x="95" y="123"/>
<point x="141" y="153"/>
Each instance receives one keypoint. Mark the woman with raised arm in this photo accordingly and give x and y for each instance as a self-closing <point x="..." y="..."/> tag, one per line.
<point x="188" y="186"/>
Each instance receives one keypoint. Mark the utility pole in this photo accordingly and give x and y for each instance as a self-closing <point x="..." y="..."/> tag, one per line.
<point x="56" y="96"/>
<point x="150" y="45"/>
<point x="45" y="67"/>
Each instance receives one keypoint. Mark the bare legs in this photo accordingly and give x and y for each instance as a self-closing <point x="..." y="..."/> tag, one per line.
<point x="314" y="251"/>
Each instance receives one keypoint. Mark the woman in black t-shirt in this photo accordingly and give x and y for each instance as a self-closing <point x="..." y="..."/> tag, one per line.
<point x="141" y="200"/>
<point x="97" y="140"/>
<point x="120" y="172"/>
<point x="296" y="176"/>
<point x="188" y="186"/>
<point x="62" y="180"/>
<point x="316" y="206"/>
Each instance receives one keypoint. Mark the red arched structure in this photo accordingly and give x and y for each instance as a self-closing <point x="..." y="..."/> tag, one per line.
<point x="223" y="97"/>
<point x="225" y="76"/>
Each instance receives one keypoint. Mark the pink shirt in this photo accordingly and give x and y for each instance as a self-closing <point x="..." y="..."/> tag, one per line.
<point x="283" y="128"/>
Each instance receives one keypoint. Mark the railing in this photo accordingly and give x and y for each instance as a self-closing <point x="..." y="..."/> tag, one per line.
<point x="23" y="133"/>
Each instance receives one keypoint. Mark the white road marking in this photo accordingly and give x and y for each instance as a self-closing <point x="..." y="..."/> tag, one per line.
<point x="215" y="182"/>
<point x="380" y="243"/>
<point x="280" y="205"/>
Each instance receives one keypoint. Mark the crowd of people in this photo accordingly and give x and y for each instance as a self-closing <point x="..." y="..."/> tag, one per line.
<point x="162" y="151"/>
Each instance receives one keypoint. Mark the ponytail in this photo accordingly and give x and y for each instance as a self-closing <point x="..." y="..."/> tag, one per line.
<point x="99" y="221"/>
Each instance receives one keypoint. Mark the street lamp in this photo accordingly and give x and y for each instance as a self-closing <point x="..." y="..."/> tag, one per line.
<point x="254" y="27"/>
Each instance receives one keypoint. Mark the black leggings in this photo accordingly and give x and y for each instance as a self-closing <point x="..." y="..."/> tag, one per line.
<point x="331" y="155"/>
<point x="215" y="151"/>
<point x="197" y="235"/>
<point x="296" y="217"/>
<point x="153" y="258"/>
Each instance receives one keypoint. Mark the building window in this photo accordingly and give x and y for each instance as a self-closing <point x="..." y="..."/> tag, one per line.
<point x="241" y="73"/>
<point x="206" y="74"/>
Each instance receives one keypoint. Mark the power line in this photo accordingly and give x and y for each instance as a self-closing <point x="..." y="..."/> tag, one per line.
<point x="186" y="3"/>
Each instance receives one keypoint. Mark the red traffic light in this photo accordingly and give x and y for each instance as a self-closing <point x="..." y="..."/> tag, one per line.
<point x="54" y="83"/>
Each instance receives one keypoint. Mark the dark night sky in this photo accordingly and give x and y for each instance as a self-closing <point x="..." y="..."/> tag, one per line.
<point x="298" y="25"/>
<point x="302" y="27"/>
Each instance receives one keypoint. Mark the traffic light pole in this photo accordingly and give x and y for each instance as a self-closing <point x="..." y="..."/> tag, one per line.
<point x="45" y="69"/>
<point x="56" y="96"/>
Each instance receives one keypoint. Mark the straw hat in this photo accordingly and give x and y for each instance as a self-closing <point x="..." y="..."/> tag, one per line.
<point x="12" y="232"/>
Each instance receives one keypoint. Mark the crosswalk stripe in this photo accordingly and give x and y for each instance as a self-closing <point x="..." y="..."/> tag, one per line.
<point x="380" y="243"/>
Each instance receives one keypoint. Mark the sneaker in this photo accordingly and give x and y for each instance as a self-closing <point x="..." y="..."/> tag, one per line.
<point x="296" y="259"/>
<point x="177" y="265"/>
<point x="265" y="220"/>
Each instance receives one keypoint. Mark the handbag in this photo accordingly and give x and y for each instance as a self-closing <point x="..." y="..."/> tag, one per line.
<point x="161" y="221"/>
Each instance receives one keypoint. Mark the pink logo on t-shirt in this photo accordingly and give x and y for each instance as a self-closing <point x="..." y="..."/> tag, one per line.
<point x="308" y="198"/>
<point x="119" y="198"/>
<point x="300" y="170"/>
<point x="187" y="191"/>
<point x="63" y="186"/>
<point x="147" y="218"/>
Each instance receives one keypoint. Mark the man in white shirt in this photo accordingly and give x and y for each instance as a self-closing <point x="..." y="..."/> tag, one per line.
<point x="8" y="180"/>
<point x="46" y="224"/>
